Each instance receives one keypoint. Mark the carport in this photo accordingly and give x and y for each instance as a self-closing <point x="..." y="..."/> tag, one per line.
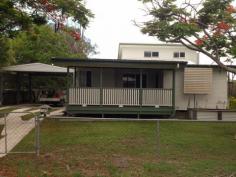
<point x="23" y="74"/>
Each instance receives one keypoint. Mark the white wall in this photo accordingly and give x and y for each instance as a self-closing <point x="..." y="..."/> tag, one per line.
<point x="165" y="52"/>
<point x="217" y="99"/>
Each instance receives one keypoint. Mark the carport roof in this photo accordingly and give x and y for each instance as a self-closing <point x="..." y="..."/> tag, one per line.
<point x="35" y="68"/>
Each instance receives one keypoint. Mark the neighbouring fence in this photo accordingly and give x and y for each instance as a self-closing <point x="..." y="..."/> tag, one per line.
<point x="14" y="127"/>
<point x="120" y="96"/>
<point x="212" y="115"/>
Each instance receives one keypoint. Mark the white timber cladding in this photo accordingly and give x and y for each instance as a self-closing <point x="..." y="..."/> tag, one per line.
<point x="197" y="80"/>
<point x="166" y="52"/>
<point x="217" y="99"/>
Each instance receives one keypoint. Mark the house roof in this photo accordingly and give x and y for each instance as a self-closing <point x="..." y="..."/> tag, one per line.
<point x="116" y="63"/>
<point x="35" y="68"/>
<point x="151" y="44"/>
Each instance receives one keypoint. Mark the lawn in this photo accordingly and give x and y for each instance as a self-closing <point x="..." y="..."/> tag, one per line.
<point x="7" y="110"/>
<point x="127" y="149"/>
<point x="29" y="116"/>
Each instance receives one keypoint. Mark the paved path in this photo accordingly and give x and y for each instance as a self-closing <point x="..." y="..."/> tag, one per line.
<point x="17" y="129"/>
<point x="58" y="112"/>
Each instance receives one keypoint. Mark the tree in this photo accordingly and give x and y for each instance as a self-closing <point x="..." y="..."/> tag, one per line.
<point x="6" y="52"/>
<point x="16" y="15"/>
<point x="41" y="43"/>
<point x="208" y="27"/>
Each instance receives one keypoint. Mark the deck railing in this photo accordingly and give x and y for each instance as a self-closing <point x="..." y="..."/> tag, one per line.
<point x="84" y="96"/>
<point x="161" y="97"/>
<point x="120" y="96"/>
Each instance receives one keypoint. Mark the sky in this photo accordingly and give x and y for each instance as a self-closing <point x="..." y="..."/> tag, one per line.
<point x="114" y="24"/>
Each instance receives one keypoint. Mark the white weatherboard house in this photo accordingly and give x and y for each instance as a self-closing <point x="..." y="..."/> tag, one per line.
<point x="145" y="79"/>
<point x="197" y="86"/>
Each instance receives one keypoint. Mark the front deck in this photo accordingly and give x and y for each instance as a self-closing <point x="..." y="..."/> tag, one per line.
<point x="121" y="87"/>
<point x="120" y="101"/>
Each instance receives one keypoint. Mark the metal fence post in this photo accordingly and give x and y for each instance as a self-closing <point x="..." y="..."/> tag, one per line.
<point x="158" y="138"/>
<point x="5" y="122"/>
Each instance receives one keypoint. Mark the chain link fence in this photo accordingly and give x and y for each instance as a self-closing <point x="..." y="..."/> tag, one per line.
<point x="15" y="127"/>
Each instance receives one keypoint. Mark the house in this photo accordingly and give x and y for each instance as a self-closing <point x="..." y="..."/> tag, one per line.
<point x="215" y="95"/>
<point x="169" y="52"/>
<point x="132" y="84"/>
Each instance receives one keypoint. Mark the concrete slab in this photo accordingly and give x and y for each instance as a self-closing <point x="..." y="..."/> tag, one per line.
<point x="16" y="130"/>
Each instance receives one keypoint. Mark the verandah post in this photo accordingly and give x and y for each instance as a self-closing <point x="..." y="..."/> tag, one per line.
<point x="18" y="88"/>
<point x="67" y="85"/>
<point x="101" y="89"/>
<point x="30" y="87"/>
<point x="173" y="91"/>
<point x="74" y="78"/>
<point x="140" y="90"/>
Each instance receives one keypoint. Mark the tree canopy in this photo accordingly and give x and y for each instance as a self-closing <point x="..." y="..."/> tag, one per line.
<point x="41" y="43"/>
<point x="26" y="36"/>
<point x="18" y="15"/>
<point x="207" y="26"/>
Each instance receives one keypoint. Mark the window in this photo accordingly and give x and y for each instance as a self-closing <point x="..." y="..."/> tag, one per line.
<point x="182" y="54"/>
<point x="133" y="81"/>
<point x="179" y="54"/>
<point x="129" y="81"/>
<point x="155" y="54"/>
<point x="147" y="54"/>
<point x="176" y="54"/>
<point x="85" y="79"/>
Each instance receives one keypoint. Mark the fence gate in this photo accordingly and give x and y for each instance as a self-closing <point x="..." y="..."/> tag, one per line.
<point x="14" y="127"/>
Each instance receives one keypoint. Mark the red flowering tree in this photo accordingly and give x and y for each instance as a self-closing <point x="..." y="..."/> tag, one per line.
<point x="208" y="27"/>
<point x="20" y="14"/>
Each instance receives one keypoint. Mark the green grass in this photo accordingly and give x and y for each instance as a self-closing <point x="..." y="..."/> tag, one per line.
<point x="29" y="116"/>
<point x="7" y="110"/>
<point x="188" y="149"/>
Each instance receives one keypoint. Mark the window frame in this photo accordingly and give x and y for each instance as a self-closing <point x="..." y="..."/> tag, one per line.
<point x="149" y="54"/>
<point x="178" y="55"/>
<point x="157" y="56"/>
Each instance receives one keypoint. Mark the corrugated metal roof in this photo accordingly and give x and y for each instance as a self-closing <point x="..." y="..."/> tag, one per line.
<point x="35" y="68"/>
